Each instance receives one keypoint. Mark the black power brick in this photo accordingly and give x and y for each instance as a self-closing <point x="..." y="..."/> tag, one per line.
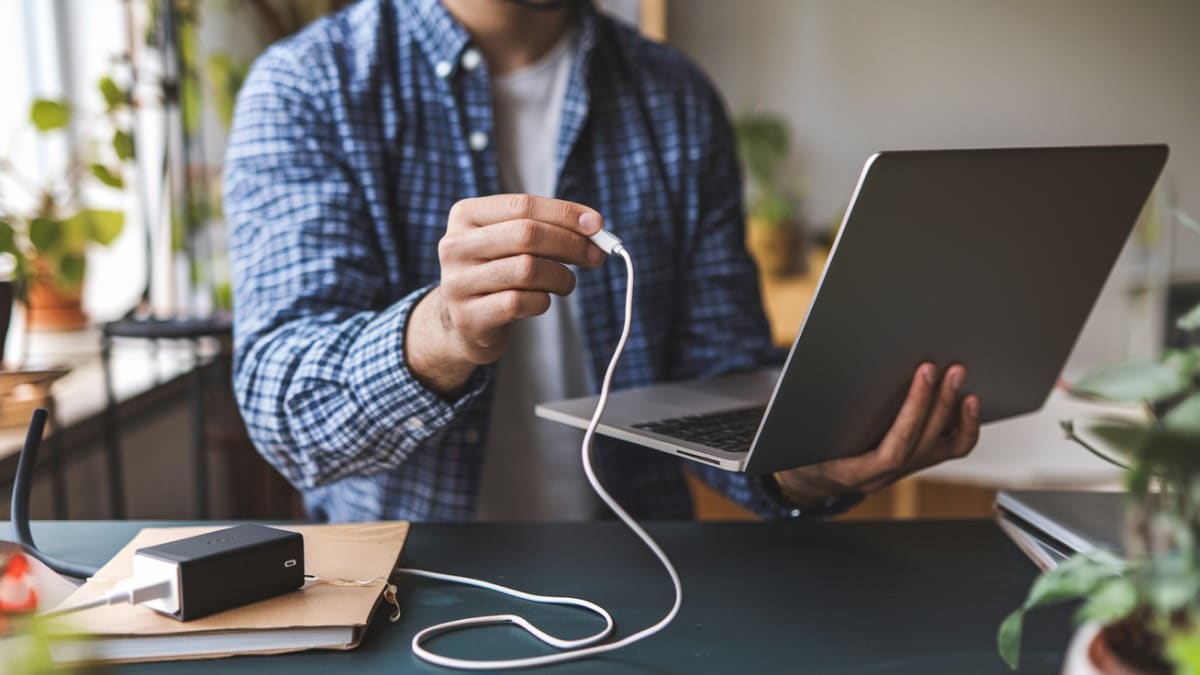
<point x="222" y="570"/>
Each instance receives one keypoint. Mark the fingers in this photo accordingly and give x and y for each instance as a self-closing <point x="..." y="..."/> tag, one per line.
<point x="481" y="317"/>
<point x="520" y="272"/>
<point x="501" y="257"/>
<point x="932" y="427"/>
<point x="484" y="211"/>
<point x="902" y="438"/>
<point x="515" y="237"/>
<point x="967" y="434"/>
<point x="946" y="407"/>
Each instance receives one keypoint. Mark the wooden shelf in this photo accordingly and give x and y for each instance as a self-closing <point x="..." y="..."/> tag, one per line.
<point x="786" y="299"/>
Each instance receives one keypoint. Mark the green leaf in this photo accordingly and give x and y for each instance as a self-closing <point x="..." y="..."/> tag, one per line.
<point x="106" y="176"/>
<point x="1074" y="578"/>
<point x="192" y="103"/>
<point x="1008" y="638"/>
<point x="1134" y="381"/>
<point x="45" y="234"/>
<point x="1170" y="581"/>
<point x="122" y="142"/>
<point x="8" y="243"/>
<point x="1183" y="360"/>
<point x="113" y="96"/>
<point x="104" y="226"/>
<point x="1184" y="418"/>
<point x="1115" y="599"/>
<point x="48" y="115"/>
<point x="75" y="231"/>
<point x="223" y="296"/>
<point x="226" y="78"/>
<point x="1190" y="320"/>
<point x="1128" y="437"/>
<point x="772" y="209"/>
<point x="1183" y="649"/>
<point x="70" y="271"/>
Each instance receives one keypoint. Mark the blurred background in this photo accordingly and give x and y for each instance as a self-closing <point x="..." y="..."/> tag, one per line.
<point x="113" y="130"/>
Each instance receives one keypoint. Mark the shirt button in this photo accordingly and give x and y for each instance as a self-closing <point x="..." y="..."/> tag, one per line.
<point x="471" y="59"/>
<point x="414" y="423"/>
<point x="443" y="68"/>
<point x="795" y="513"/>
<point x="477" y="140"/>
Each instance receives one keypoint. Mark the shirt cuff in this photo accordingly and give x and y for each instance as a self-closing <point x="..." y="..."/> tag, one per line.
<point x="389" y="391"/>
<point x="830" y="506"/>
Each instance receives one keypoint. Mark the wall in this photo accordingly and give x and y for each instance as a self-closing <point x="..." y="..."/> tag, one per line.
<point x="856" y="76"/>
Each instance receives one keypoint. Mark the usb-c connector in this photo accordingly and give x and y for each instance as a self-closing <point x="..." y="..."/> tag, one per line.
<point x="608" y="242"/>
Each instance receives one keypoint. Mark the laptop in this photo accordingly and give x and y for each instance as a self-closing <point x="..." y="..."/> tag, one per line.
<point x="992" y="258"/>
<point x="1067" y="521"/>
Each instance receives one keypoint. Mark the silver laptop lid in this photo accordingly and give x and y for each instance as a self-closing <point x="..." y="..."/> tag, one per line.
<point x="991" y="258"/>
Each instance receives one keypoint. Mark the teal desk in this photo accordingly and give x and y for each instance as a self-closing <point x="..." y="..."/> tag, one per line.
<point x="842" y="597"/>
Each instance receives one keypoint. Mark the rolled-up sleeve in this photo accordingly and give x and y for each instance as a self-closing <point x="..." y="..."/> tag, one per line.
<point x="319" y="368"/>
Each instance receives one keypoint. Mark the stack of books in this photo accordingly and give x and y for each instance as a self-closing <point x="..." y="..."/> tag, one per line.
<point x="1052" y="525"/>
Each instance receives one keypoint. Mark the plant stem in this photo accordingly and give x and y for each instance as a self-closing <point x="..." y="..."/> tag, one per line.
<point x="1095" y="451"/>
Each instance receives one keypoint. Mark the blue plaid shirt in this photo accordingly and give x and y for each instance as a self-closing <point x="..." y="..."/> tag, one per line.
<point x="350" y="144"/>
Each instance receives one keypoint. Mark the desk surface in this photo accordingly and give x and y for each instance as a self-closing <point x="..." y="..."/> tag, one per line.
<point x="831" y="597"/>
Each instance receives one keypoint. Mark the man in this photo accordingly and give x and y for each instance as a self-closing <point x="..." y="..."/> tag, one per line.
<point x="389" y="183"/>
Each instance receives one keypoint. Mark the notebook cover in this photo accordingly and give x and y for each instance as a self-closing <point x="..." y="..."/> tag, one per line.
<point x="359" y="551"/>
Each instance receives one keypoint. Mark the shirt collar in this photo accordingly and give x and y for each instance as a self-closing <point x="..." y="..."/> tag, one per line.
<point x="443" y="39"/>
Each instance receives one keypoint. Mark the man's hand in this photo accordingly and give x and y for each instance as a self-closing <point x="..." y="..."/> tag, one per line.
<point x="502" y="257"/>
<point x="935" y="424"/>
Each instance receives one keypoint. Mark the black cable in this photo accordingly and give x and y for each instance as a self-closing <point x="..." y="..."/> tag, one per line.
<point x="20" y="501"/>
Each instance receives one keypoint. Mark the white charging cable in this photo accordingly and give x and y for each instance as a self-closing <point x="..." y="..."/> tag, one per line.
<point x="131" y="591"/>
<point x="582" y="647"/>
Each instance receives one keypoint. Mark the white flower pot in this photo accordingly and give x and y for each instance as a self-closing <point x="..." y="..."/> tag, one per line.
<point x="1078" y="661"/>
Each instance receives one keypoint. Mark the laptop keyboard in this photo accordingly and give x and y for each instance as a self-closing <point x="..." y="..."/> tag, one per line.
<point x="730" y="430"/>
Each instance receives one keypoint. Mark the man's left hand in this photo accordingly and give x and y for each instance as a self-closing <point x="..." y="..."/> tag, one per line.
<point x="935" y="424"/>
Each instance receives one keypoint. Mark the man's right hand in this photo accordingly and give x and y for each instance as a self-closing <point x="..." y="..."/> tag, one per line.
<point x="501" y="257"/>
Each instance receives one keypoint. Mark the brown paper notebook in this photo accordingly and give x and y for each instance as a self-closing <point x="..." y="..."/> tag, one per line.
<point x="318" y="616"/>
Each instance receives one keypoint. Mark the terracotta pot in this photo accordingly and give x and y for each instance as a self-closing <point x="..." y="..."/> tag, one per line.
<point x="1089" y="654"/>
<point x="53" y="308"/>
<point x="773" y="247"/>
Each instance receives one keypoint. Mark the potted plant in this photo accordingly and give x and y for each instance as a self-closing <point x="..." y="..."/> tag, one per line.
<point x="46" y="237"/>
<point x="1140" y="611"/>
<point x="772" y="233"/>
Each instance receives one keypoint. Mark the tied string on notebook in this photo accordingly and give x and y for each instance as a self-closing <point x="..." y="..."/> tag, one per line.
<point x="389" y="589"/>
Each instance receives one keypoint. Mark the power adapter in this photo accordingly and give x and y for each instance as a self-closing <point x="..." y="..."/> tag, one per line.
<point x="194" y="577"/>
<point x="221" y="570"/>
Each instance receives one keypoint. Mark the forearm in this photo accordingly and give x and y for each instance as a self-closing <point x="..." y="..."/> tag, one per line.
<point x="326" y="399"/>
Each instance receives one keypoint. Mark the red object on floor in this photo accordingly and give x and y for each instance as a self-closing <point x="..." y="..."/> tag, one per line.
<point x="17" y="594"/>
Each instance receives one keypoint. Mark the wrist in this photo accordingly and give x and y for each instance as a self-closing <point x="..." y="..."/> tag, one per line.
<point x="808" y="499"/>
<point x="804" y="492"/>
<point x="430" y="348"/>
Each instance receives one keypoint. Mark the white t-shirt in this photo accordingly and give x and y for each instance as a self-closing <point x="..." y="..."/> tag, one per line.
<point x="531" y="468"/>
